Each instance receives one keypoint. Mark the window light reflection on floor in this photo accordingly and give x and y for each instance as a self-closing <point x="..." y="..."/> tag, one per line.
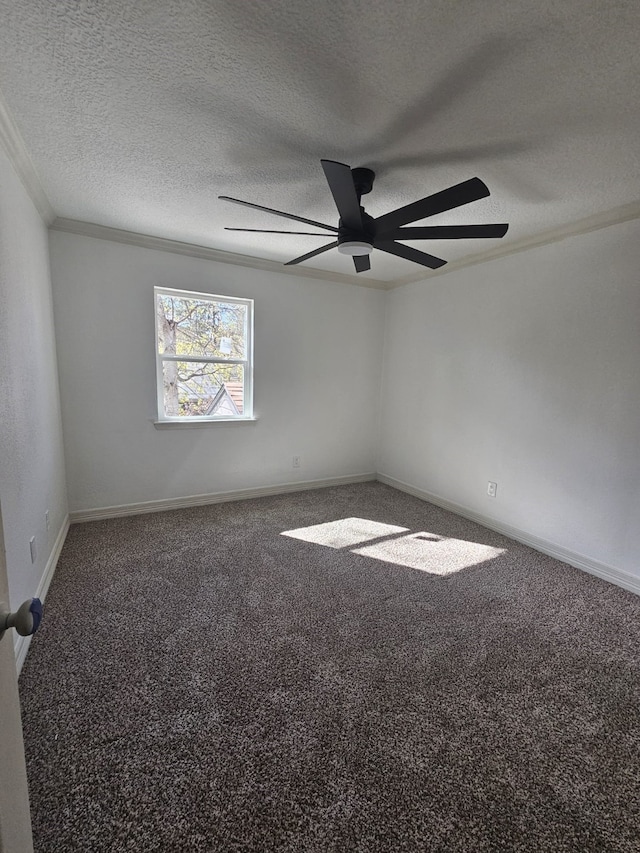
<point x="425" y="551"/>
<point x="345" y="532"/>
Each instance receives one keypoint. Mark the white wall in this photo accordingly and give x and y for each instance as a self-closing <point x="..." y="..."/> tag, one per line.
<point x="32" y="478"/>
<point x="317" y="376"/>
<point x="525" y="371"/>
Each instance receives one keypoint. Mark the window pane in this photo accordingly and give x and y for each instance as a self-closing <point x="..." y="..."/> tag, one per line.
<point x="201" y="327"/>
<point x="193" y="389"/>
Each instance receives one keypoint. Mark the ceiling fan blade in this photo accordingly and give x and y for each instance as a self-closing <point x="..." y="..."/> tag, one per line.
<point x="362" y="263"/>
<point x="267" y="231"/>
<point x="446" y="232"/>
<point x="455" y="196"/>
<point x="344" y="193"/>
<point x="278" y="213"/>
<point x="312" y="254"/>
<point x="410" y="254"/>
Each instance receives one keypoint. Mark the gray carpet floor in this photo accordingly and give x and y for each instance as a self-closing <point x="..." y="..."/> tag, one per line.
<point x="346" y="669"/>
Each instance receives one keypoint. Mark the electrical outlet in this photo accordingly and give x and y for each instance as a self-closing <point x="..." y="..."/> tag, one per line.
<point x="492" y="489"/>
<point x="32" y="548"/>
<point x="297" y="461"/>
<point x="47" y="520"/>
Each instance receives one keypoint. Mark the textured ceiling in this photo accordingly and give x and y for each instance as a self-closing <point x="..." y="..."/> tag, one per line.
<point x="137" y="114"/>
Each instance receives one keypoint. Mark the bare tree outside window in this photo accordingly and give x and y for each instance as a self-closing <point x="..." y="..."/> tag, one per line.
<point x="203" y="354"/>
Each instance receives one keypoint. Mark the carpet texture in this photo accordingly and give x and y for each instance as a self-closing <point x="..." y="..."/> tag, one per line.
<point x="346" y="669"/>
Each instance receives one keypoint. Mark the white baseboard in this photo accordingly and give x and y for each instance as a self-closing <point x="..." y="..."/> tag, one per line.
<point x="578" y="561"/>
<point x="213" y="498"/>
<point x="21" y="644"/>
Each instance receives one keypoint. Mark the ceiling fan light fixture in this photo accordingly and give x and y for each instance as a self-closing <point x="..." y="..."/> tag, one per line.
<point x="358" y="233"/>
<point x="355" y="247"/>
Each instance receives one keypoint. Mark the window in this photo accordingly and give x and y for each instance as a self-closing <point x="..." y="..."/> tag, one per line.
<point x="204" y="356"/>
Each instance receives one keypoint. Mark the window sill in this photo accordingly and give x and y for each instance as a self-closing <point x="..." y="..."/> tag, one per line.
<point x="205" y="422"/>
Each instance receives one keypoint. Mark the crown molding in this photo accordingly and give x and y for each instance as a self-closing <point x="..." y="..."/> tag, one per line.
<point x="13" y="144"/>
<point x="615" y="216"/>
<point x="162" y="244"/>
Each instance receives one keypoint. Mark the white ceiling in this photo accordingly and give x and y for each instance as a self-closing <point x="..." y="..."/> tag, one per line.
<point x="138" y="114"/>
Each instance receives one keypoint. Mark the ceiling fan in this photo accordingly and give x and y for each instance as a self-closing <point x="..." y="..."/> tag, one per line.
<point x="358" y="233"/>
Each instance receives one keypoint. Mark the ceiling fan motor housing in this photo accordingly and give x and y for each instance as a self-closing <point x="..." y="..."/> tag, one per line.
<point x="358" y="241"/>
<point x="367" y="235"/>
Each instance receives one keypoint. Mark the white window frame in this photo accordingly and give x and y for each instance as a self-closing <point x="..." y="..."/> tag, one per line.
<point x="247" y="361"/>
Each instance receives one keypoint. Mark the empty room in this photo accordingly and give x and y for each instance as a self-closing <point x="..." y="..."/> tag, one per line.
<point x="319" y="426"/>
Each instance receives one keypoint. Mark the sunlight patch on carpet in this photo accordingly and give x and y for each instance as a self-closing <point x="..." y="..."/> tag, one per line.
<point x="435" y="555"/>
<point x="425" y="551"/>
<point x="344" y="532"/>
